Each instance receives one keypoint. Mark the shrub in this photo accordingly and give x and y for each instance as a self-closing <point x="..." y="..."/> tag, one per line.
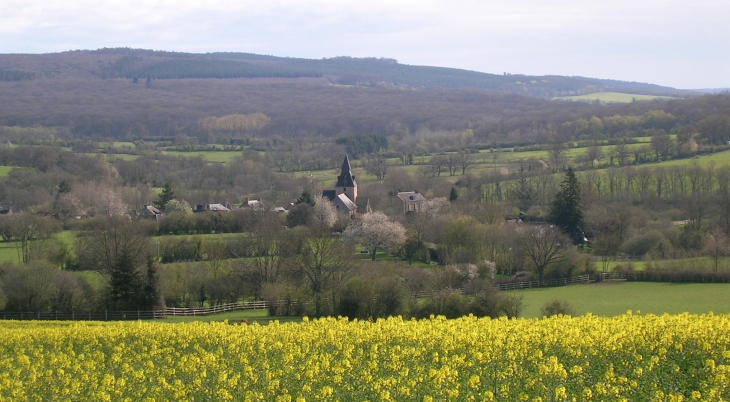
<point x="556" y="307"/>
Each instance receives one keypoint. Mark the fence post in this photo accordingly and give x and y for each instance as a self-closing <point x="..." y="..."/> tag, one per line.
<point x="106" y="316"/>
<point x="138" y="314"/>
<point x="73" y="316"/>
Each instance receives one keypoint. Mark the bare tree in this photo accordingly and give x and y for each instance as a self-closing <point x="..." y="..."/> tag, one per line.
<point x="464" y="161"/>
<point x="621" y="152"/>
<point x="717" y="245"/>
<point x="32" y="231"/>
<point x="324" y="263"/>
<point x="543" y="246"/>
<point x="377" y="166"/>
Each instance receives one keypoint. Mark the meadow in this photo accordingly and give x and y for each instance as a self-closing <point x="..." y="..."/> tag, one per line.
<point x="612" y="298"/>
<point x="628" y="357"/>
<point x="612" y="97"/>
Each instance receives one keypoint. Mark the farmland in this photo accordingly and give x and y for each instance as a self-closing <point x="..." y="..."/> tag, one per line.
<point x="612" y="97"/>
<point x="637" y="357"/>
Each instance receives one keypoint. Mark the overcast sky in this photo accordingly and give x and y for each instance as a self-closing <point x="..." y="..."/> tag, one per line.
<point x="678" y="43"/>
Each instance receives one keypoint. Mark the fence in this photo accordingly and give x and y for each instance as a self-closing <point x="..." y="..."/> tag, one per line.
<point x="222" y="308"/>
<point x="84" y="315"/>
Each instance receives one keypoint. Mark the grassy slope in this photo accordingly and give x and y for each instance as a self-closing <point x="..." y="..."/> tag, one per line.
<point x="616" y="297"/>
<point x="612" y="97"/>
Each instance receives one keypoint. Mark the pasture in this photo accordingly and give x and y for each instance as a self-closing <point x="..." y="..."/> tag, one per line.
<point x="611" y="298"/>
<point x="612" y="97"/>
<point x="210" y="156"/>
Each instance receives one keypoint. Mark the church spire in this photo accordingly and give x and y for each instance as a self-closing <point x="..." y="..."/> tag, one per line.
<point x="346" y="179"/>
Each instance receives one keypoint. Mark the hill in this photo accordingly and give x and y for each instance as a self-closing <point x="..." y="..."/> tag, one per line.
<point x="138" y="63"/>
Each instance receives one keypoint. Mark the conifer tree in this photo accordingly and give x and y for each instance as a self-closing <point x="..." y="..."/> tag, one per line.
<point x="453" y="195"/>
<point x="567" y="211"/>
<point x="166" y="195"/>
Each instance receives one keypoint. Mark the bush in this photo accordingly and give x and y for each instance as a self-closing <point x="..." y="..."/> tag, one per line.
<point x="556" y="307"/>
<point x="510" y="305"/>
<point x="642" y="243"/>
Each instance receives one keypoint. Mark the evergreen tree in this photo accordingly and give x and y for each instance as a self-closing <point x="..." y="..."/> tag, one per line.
<point x="124" y="282"/>
<point x="566" y="212"/>
<point x="305" y="198"/>
<point x="453" y="195"/>
<point x="63" y="188"/>
<point x="166" y="195"/>
<point x="150" y="296"/>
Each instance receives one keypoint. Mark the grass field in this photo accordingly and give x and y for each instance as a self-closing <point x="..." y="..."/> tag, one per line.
<point x="612" y="97"/>
<point x="5" y="170"/>
<point x="210" y="156"/>
<point x="613" y="298"/>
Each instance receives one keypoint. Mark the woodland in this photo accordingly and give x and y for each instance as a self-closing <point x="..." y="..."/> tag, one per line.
<point x="90" y="139"/>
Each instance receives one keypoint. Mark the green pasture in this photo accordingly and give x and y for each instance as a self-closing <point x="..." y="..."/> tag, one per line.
<point x="210" y="156"/>
<point x="717" y="159"/>
<point x="9" y="252"/>
<point x="125" y="157"/>
<point x="612" y="298"/>
<point x="612" y="97"/>
<point x="5" y="170"/>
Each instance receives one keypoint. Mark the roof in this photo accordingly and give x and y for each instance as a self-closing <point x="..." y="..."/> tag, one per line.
<point x="346" y="179"/>
<point x="149" y="209"/>
<point x="343" y="200"/>
<point x="329" y="194"/>
<point x="411" y="196"/>
<point x="217" y="207"/>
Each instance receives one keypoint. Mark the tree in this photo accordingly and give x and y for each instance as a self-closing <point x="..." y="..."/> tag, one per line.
<point x="377" y="166"/>
<point x="164" y="197"/>
<point x="175" y="205"/>
<point x="305" y="198"/>
<point x="717" y="245"/>
<point x="376" y="232"/>
<point x="453" y="195"/>
<point x="566" y="211"/>
<point x="324" y="213"/>
<point x="543" y="246"/>
<point x="32" y="231"/>
<point x="124" y="282"/>
<point x="324" y="263"/>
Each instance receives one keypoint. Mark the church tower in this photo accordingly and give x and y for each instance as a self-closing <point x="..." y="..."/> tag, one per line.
<point x="346" y="182"/>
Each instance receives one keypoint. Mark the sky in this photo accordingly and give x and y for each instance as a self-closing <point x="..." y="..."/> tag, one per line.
<point x="677" y="43"/>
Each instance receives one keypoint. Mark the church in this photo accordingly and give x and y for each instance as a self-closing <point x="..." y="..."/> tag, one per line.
<point x="344" y="195"/>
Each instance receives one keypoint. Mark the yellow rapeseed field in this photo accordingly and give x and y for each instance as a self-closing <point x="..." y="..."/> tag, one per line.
<point x="626" y="358"/>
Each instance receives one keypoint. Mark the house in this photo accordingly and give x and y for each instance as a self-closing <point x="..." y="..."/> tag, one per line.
<point x="150" y="212"/>
<point x="412" y="201"/>
<point x="211" y="207"/>
<point x="6" y="209"/>
<point x="344" y="195"/>
<point x="253" y="205"/>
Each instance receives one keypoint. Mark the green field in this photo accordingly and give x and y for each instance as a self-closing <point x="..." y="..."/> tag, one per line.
<point x="612" y="298"/>
<point x="5" y="170"/>
<point x="210" y="156"/>
<point x="612" y="97"/>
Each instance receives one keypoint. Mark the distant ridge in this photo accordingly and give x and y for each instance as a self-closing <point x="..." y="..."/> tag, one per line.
<point x="368" y="72"/>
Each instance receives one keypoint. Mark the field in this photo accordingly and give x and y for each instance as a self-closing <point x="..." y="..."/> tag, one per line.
<point x="5" y="170"/>
<point x="612" y="298"/>
<point x="612" y="97"/>
<point x="629" y="357"/>
<point x="210" y="156"/>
